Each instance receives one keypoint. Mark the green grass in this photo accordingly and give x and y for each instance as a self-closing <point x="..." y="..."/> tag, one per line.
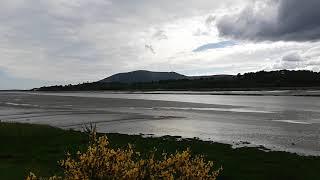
<point x="37" y="148"/>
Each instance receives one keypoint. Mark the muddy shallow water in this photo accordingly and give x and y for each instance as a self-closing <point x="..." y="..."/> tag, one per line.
<point x="286" y="123"/>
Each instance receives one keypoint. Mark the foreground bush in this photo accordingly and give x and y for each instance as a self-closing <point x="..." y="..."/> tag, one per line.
<point x="100" y="161"/>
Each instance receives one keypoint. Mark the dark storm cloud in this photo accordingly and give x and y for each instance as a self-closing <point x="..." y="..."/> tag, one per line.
<point x="274" y="20"/>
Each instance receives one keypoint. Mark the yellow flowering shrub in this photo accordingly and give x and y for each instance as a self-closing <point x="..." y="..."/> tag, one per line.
<point x="100" y="161"/>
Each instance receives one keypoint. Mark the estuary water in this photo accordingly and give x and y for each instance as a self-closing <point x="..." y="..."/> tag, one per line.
<point x="278" y="120"/>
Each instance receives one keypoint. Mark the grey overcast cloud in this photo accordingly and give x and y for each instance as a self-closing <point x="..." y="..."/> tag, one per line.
<point x="47" y="42"/>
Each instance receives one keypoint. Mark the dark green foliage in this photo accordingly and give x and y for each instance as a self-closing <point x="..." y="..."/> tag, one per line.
<point x="36" y="148"/>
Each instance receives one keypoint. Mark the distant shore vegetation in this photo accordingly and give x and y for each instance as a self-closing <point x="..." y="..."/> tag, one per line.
<point x="282" y="79"/>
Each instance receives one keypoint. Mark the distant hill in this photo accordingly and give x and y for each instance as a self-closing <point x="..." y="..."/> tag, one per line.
<point x="142" y="76"/>
<point x="146" y="80"/>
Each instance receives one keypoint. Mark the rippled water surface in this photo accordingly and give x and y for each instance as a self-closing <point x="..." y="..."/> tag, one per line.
<point x="289" y="123"/>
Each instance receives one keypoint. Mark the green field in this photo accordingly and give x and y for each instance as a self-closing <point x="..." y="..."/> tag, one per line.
<point x="37" y="148"/>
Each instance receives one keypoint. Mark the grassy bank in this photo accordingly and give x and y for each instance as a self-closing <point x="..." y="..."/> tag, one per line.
<point x="37" y="148"/>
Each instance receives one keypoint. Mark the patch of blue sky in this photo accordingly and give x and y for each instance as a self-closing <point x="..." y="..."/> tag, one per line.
<point x="218" y="45"/>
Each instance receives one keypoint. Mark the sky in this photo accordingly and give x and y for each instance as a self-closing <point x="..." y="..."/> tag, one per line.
<point x="48" y="42"/>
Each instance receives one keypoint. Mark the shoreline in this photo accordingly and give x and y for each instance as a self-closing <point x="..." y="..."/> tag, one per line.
<point x="234" y="145"/>
<point x="276" y="92"/>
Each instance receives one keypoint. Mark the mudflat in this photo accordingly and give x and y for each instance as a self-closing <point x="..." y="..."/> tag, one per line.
<point x="284" y="123"/>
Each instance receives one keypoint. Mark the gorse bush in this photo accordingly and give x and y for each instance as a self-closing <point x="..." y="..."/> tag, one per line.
<point x="100" y="161"/>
